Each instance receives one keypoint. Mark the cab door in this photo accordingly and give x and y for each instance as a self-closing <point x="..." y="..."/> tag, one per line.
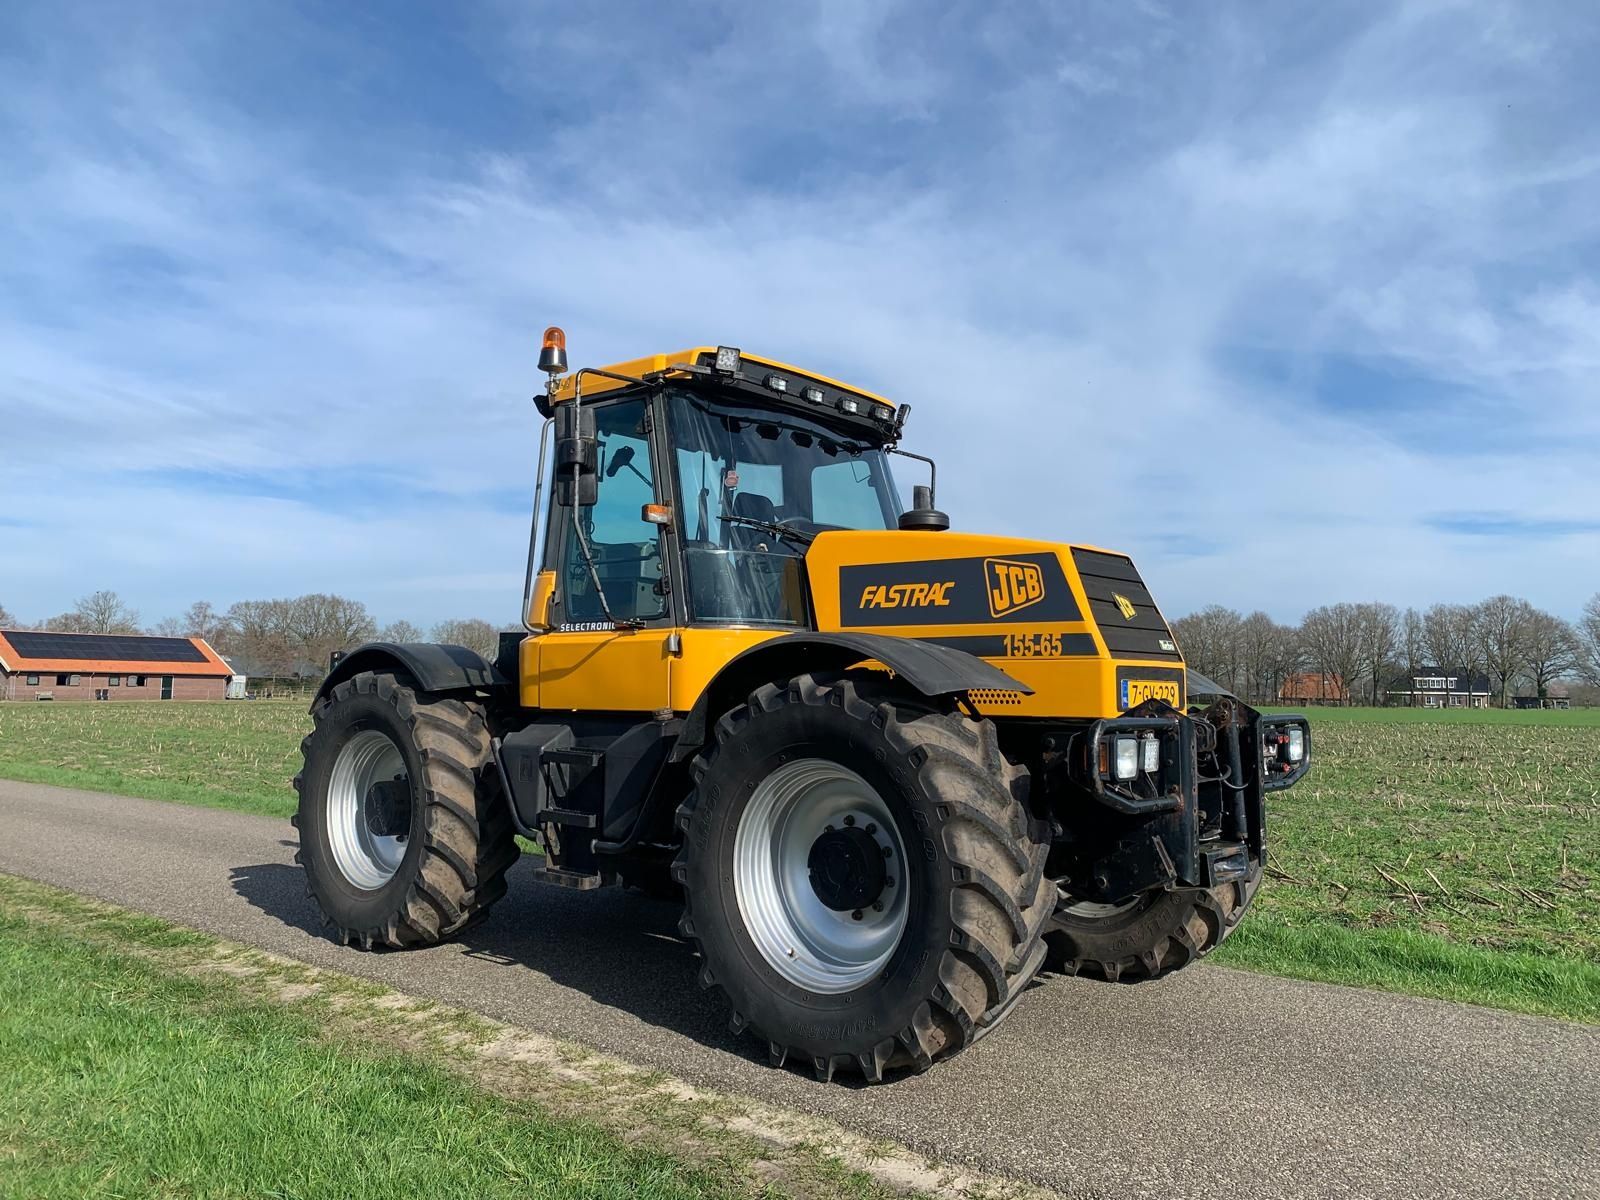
<point x="585" y="663"/>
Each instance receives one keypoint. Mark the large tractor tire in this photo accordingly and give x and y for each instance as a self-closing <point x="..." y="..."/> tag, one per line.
<point x="404" y="837"/>
<point x="864" y="881"/>
<point x="1149" y="936"/>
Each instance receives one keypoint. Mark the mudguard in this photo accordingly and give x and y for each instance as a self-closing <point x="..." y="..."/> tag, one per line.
<point x="435" y="668"/>
<point x="925" y="667"/>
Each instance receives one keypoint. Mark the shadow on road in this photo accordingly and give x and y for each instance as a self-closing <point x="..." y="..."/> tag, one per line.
<point x="619" y="947"/>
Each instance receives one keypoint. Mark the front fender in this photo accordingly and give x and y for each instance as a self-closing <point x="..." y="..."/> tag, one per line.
<point x="927" y="668"/>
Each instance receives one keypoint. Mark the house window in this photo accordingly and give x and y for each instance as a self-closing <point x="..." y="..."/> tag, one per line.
<point x="63" y="680"/>
<point x="33" y="681"/>
<point x="137" y="681"/>
<point x="116" y="681"/>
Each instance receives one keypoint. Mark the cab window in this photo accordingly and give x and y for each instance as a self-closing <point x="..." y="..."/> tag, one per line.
<point x="625" y="547"/>
<point x="754" y="487"/>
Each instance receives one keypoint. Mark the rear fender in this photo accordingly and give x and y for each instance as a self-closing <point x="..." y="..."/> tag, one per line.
<point x="435" y="668"/>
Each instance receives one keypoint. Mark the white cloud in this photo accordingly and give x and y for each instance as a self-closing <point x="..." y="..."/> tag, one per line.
<point x="1059" y="278"/>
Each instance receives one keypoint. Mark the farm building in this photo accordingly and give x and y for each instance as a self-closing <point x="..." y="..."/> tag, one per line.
<point x="1314" y="687"/>
<point x="1556" y="696"/>
<point x="108" y="666"/>
<point x="1434" y="687"/>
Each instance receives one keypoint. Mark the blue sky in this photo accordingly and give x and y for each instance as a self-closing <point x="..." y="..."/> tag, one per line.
<point x="1294" y="303"/>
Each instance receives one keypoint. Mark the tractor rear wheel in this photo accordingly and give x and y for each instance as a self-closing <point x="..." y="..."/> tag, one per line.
<point x="1149" y="936"/>
<point x="404" y="837"/>
<point x="863" y="878"/>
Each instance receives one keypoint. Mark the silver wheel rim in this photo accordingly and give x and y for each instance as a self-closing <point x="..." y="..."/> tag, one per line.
<point x="366" y="859"/>
<point x="805" y="941"/>
<point x="1092" y="909"/>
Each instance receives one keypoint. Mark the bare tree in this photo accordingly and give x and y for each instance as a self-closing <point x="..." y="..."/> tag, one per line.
<point x="400" y="631"/>
<point x="201" y="620"/>
<point x="1288" y="656"/>
<point x="261" y="638"/>
<point x="1450" y="632"/>
<point x="1413" y="649"/>
<point x="1257" y="654"/>
<point x="1589" y="640"/>
<point x="1501" y="624"/>
<point x="319" y="624"/>
<point x="1332" y="636"/>
<point x="1210" y="643"/>
<point x="1551" y="649"/>
<point x="98" y="612"/>
<point x="7" y="621"/>
<point x="472" y="633"/>
<point x="1380" y="637"/>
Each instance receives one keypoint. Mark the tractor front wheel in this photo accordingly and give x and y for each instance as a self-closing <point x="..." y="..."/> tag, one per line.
<point x="1150" y="935"/>
<point x="863" y="878"/>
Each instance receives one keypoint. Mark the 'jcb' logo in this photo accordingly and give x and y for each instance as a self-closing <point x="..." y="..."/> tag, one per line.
<point x="1124" y="605"/>
<point x="907" y="595"/>
<point x="1012" y="585"/>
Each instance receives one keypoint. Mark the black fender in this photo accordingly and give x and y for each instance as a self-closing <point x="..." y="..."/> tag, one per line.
<point x="435" y="668"/>
<point x="1198" y="685"/>
<point x="925" y="667"/>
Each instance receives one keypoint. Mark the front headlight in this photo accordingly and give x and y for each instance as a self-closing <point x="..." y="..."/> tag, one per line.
<point x="1150" y="754"/>
<point x="1127" y="756"/>
<point x="1297" y="744"/>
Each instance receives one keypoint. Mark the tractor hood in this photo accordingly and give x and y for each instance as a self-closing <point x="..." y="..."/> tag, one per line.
<point x="1075" y="623"/>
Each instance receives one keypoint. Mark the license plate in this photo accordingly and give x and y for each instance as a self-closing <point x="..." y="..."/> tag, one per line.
<point x="1136" y="691"/>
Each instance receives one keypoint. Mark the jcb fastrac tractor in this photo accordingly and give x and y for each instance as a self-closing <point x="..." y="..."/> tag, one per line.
<point x="889" y="771"/>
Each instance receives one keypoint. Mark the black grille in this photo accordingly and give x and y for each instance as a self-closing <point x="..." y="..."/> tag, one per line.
<point x="1106" y="576"/>
<point x="108" y="647"/>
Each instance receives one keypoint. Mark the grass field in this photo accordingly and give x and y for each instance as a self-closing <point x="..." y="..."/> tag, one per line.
<point x="240" y="754"/>
<point x="142" y="1060"/>
<point x="1452" y="854"/>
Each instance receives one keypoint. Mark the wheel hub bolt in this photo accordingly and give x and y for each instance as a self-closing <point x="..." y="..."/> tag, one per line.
<point x="850" y="820"/>
<point x="872" y="828"/>
<point x="856" y="916"/>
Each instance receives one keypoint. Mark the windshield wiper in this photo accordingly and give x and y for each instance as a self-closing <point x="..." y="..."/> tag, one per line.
<point x="772" y="527"/>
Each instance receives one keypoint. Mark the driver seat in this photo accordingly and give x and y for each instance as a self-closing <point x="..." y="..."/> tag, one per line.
<point x="755" y="507"/>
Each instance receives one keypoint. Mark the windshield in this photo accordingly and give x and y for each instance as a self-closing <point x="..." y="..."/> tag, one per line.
<point x="755" y="486"/>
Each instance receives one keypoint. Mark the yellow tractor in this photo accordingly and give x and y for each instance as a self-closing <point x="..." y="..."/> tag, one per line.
<point x="889" y="771"/>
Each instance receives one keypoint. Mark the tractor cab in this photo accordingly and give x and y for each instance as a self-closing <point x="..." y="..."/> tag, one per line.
<point x="686" y="489"/>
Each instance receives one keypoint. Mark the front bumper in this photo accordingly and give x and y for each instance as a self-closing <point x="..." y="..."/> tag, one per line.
<point x="1198" y="819"/>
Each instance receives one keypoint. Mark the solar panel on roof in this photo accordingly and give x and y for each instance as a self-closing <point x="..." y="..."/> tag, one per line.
<point x="107" y="647"/>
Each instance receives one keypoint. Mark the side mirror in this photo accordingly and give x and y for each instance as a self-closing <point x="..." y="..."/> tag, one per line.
<point x="576" y="481"/>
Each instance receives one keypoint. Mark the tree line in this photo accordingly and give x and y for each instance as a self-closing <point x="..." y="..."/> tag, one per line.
<point x="279" y="638"/>
<point x="1518" y="648"/>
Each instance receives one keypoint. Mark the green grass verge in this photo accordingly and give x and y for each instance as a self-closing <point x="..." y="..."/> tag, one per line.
<point x="1420" y="964"/>
<point x="128" y="1076"/>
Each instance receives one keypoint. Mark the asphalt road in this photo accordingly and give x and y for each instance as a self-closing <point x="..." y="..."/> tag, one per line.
<point x="1211" y="1083"/>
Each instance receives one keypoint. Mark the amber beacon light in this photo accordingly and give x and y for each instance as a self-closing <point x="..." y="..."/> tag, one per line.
<point x="553" y="352"/>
